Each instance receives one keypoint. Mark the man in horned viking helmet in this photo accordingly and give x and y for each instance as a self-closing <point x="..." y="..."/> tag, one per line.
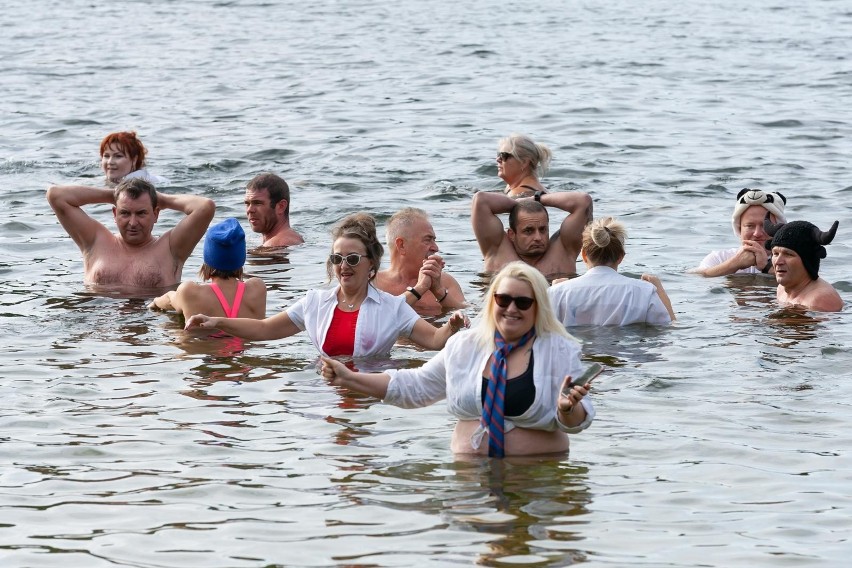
<point x="796" y="250"/>
<point x="750" y="257"/>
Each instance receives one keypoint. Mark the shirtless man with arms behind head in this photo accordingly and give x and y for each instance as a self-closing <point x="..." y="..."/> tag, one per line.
<point x="134" y="257"/>
<point x="527" y="237"/>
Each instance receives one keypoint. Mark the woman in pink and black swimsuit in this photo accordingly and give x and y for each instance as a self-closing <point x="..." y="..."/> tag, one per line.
<point x="227" y="295"/>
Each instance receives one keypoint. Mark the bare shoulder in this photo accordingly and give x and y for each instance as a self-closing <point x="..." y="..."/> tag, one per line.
<point x="826" y="298"/>
<point x="255" y="283"/>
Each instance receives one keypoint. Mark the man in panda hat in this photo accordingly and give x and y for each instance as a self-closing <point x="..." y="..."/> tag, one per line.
<point x="797" y="248"/>
<point x="750" y="257"/>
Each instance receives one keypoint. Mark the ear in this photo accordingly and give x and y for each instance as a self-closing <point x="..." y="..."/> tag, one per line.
<point x="156" y="214"/>
<point x="399" y="243"/>
<point x="281" y="207"/>
<point x="511" y="234"/>
<point x="585" y="257"/>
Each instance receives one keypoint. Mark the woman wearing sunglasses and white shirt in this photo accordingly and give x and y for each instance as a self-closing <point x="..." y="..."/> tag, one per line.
<point x="352" y="319"/>
<point x="503" y="380"/>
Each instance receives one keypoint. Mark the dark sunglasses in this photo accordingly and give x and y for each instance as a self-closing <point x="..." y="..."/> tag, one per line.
<point x="351" y="259"/>
<point x="503" y="156"/>
<point x="523" y="303"/>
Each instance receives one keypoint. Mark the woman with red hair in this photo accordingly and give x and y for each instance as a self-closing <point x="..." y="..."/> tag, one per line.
<point x="123" y="157"/>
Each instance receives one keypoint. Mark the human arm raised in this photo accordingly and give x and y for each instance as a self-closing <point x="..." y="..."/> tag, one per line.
<point x="67" y="202"/>
<point x="580" y="207"/>
<point x="661" y="292"/>
<point x="339" y="375"/>
<point x="443" y="286"/>
<point x="569" y="411"/>
<point x="199" y="212"/>
<point x="487" y="227"/>
<point x="278" y="326"/>
<point x="750" y="253"/>
<point x="427" y="335"/>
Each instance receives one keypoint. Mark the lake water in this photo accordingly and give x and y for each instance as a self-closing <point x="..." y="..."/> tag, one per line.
<point x="721" y="441"/>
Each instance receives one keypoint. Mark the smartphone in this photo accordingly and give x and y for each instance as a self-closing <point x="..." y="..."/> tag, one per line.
<point x="590" y="373"/>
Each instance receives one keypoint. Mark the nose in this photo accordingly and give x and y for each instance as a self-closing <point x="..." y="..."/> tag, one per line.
<point x="759" y="233"/>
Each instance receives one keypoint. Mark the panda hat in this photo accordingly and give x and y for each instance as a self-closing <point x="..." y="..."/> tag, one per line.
<point x="772" y="202"/>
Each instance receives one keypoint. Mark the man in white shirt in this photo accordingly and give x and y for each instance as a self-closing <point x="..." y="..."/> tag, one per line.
<point x="751" y="257"/>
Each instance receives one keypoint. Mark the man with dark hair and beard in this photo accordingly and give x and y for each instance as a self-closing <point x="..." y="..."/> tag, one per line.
<point x="268" y="211"/>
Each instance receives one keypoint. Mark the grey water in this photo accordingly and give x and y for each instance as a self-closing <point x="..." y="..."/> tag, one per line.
<point x="721" y="441"/>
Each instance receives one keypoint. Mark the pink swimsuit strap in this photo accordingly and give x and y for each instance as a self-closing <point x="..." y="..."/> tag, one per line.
<point x="230" y="311"/>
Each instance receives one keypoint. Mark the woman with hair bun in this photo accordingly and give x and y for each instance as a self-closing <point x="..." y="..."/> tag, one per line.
<point x="123" y="157"/>
<point x="353" y="318"/>
<point x="601" y="296"/>
<point x="520" y="161"/>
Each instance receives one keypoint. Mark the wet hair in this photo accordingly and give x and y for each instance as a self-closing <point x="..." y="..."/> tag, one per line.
<point x="275" y="186"/>
<point x="545" y="318"/>
<point x="207" y="272"/>
<point x="603" y="241"/>
<point x="129" y="144"/>
<point x="524" y="149"/>
<point x="401" y="221"/>
<point x="527" y="206"/>
<point x="360" y="226"/>
<point x="136" y="188"/>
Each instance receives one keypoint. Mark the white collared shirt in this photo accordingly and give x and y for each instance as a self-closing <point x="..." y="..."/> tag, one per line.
<point x="602" y="296"/>
<point x="382" y="319"/>
<point x="456" y="372"/>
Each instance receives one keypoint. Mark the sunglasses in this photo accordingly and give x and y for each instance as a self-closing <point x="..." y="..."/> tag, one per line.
<point x="523" y="303"/>
<point x="503" y="156"/>
<point x="351" y="259"/>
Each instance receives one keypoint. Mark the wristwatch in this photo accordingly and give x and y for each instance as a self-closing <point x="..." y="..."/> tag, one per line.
<point x="537" y="196"/>
<point x="767" y="267"/>
<point x="414" y="292"/>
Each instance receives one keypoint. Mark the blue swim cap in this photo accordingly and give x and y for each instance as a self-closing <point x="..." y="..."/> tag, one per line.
<point x="225" y="246"/>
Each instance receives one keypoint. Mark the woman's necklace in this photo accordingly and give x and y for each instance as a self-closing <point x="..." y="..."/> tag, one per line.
<point x="346" y="303"/>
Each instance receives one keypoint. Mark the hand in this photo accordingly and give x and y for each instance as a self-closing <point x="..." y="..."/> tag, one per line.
<point x="751" y="253"/>
<point x="458" y="320"/>
<point x="334" y="371"/>
<point x="424" y="280"/>
<point x="433" y="266"/>
<point x="566" y="403"/>
<point x="200" y="320"/>
<point x="653" y="280"/>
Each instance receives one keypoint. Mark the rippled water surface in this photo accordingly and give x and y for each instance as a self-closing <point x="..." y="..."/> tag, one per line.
<point x="722" y="441"/>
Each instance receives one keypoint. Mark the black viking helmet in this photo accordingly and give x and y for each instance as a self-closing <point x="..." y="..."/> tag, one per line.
<point x="804" y="238"/>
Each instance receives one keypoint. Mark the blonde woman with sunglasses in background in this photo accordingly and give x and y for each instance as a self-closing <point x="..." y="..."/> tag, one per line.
<point x="503" y="380"/>
<point x="353" y="318"/>
<point x="520" y="160"/>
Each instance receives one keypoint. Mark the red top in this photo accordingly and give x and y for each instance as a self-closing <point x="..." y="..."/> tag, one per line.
<point x="340" y="339"/>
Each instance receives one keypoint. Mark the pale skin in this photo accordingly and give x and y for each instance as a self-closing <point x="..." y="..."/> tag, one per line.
<point x="519" y="175"/>
<point x="134" y="257"/>
<point x="192" y="298"/>
<point x="415" y="262"/>
<point x="797" y="288"/>
<point x="271" y="222"/>
<point x="530" y="241"/>
<point x="512" y="324"/>
<point x="116" y="163"/>
<point x="752" y="251"/>
<point x="352" y="291"/>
